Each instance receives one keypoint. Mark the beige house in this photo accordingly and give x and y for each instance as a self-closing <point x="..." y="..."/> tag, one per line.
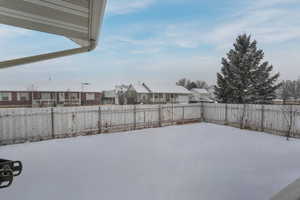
<point x="157" y="94"/>
<point x="138" y="94"/>
<point x="200" y="95"/>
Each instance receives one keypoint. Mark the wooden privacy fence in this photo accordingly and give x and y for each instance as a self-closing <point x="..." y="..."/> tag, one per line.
<point x="276" y="119"/>
<point x="33" y="124"/>
<point x="19" y="125"/>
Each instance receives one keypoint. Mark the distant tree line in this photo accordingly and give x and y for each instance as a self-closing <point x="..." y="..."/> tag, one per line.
<point x="244" y="78"/>
<point x="290" y="89"/>
<point x="188" y="84"/>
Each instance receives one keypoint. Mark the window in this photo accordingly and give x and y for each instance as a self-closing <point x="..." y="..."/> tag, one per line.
<point x="160" y="95"/>
<point x="5" y="96"/>
<point x="144" y="97"/>
<point x="73" y="96"/>
<point x="168" y="97"/>
<point x="23" y="96"/>
<point x="90" y="96"/>
<point x="46" y="95"/>
<point x="61" y="96"/>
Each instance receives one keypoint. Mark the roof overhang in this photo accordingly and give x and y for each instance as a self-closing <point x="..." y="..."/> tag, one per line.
<point x="78" y="20"/>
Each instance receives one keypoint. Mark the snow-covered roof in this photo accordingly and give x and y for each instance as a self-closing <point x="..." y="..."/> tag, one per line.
<point x="277" y="100"/>
<point x="54" y="86"/>
<point x="12" y="88"/>
<point x="121" y="88"/>
<point x="140" y="88"/>
<point x="200" y="90"/>
<point x="170" y="89"/>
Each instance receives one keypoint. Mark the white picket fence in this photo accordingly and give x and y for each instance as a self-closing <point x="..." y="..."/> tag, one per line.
<point x="19" y="125"/>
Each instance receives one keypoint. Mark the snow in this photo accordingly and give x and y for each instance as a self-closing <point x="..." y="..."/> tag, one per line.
<point x="200" y="91"/>
<point x="198" y="161"/>
<point x="168" y="89"/>
<point x="139" y="88"/>
<point x="53" y="86"/>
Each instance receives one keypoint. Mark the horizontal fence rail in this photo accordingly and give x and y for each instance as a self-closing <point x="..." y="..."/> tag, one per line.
<point x="19" y="125"/>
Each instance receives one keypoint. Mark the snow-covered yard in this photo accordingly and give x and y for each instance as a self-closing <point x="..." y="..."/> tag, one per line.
<point x="198" y="161"/>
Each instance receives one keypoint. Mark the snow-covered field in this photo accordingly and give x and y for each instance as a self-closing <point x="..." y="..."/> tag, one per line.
<point x="199" y="161"/>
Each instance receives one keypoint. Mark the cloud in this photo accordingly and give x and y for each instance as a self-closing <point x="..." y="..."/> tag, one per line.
<point x="268" y="26"/>
<point x="173" y="48"/>
<point x="274" y="23"/>
<point x="121" y="7"/>
<point x="267" y="23"/>
<point x="10" y="32"/>
<point x="270" y="3"/>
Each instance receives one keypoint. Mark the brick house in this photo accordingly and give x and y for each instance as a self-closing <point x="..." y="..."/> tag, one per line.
<point x="14" y="98"/>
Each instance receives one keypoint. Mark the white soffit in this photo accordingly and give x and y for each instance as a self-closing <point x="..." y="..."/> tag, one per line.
<point x="78" y="20"/>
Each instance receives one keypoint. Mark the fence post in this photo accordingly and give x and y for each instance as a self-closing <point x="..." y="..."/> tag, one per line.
<point x="100" y="120"/>
<point x="134" y="117"/>
<point x="52" y="123"/>
<point x="226" y="114"/>
<point x="202" y="112"/>
<point x="183" y="114"/>
<point x="291" y="121"/>
<point x="172" y="113"/>
<point x="242" y="120"/>
<point x="159" y="115"/>
<point x="144" y="117"/>
<point x="262" y="126"/>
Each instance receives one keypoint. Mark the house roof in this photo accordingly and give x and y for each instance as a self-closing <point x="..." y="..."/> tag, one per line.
<point x="200" y="91"/>
<point x="49" y="86"/>
<point x="139" y="88"/>
<point x="121" y="88"/>
<point x="169" y="89"/>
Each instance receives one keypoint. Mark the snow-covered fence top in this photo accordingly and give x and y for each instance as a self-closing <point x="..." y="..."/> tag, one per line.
<point x="31" y="124"/>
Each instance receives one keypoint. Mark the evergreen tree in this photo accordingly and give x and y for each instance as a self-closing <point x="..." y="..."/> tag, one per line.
<point x="222" y="91"/>
<point x="266" y="86"/>
<point x="243" y="79"/>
